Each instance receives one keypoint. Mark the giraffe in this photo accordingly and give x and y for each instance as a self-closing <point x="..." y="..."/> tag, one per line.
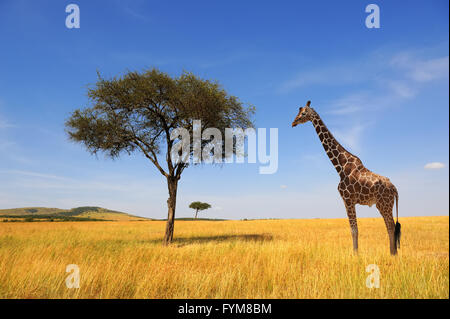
<point x="358" y="185"/>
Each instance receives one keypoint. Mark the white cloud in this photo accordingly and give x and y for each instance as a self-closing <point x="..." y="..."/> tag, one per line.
<point x="352" y="103"/>
<point x="346" y="109"/>
<point x="36" y="180"/>
<point x="401" y="78"/>
<point x="349" y="104"/>
<point x="283" y="186"/>
<point x="424" y="70"/>
<point x="434" y="165"/>
<point x="401" y="89"/>
<point x="331" y="75"/>
<point x="8" y="147"/>
<point x="4" y="124"/>
<point x="431" y="70"/>
<point x="351" y="137"/>
<point x="32" y="174"/>
<point x="395" y="82"/>
<point x="135" y="10"/>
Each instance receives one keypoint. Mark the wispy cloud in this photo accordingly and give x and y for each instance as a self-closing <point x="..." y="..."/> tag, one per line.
<point x="38" y="180"/>
<point x="8" y="147"/>
<point x="118" y="192"/>
<point x="10" y="150"/>
<point x="401" y="89"/>
<point x="332" y="75"/>
<point x="5" y="145"/>
<point x="4" y="123"/>
<point x="351" y="137"/>
<point x="132" y="10"/>
<point x="434" y="165"/>
<point x="421" y="70"/>
<point x="32" y="174"/>
<point x="400" y="78"/>
<point x="349" y="104"/>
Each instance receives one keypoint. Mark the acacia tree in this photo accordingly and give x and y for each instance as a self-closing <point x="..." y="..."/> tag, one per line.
<point x="199" y="206"/>
<point x="138" y="112"/>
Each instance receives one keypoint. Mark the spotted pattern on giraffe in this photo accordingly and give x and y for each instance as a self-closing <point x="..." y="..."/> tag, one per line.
<point x="357" y="185"/>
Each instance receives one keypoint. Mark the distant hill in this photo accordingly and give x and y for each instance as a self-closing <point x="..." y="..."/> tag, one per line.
<point x="86" y="213"/>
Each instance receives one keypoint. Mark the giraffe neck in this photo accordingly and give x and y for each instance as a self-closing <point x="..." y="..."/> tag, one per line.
<point x="338" y="155"/>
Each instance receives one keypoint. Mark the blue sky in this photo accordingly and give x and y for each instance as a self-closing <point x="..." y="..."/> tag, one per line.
<point x="382" y="92"/>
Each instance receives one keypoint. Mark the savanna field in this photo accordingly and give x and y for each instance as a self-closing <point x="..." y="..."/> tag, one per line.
<point x="223" y="259"/>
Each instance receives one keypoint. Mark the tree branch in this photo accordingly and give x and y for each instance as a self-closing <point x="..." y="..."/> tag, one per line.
<point x="152" y="158"/>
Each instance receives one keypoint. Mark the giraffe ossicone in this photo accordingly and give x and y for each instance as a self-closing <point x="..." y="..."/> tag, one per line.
<point x="358" y="185"/>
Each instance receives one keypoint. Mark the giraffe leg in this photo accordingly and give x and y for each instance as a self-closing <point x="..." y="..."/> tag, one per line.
<point x="385" y="209"/>
<point x="351" y="213"/>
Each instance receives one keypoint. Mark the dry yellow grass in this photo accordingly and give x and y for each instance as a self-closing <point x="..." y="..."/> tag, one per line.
<point x="229" y="259"/>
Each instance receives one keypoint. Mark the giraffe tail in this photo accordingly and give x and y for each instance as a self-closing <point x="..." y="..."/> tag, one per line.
<point x="397" y="231"/>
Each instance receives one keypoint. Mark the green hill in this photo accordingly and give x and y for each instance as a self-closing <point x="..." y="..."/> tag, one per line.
<point x="86" y="213"/>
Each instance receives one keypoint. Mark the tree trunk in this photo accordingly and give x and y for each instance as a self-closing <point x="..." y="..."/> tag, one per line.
<point x="196" y="212"/>
<point x="172" y="184"/>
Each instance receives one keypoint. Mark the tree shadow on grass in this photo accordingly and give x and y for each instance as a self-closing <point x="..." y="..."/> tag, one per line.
<point x="183" y="241"/>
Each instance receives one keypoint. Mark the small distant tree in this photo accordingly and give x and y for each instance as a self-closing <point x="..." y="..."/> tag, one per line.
<point x="198" y="206"/>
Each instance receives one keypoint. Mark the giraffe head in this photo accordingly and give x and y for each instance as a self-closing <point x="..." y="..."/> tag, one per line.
<point x="304" y="115"/>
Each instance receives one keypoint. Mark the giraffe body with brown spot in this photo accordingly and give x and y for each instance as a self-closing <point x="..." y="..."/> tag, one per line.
<point x="358" y="185"/>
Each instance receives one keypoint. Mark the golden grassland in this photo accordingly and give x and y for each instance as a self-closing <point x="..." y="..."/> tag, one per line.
<point x="224" y="259"/>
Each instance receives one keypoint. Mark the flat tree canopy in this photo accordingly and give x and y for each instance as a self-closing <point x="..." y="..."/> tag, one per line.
<point x="139" y="110"/>
<point x="199" y="206"/>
